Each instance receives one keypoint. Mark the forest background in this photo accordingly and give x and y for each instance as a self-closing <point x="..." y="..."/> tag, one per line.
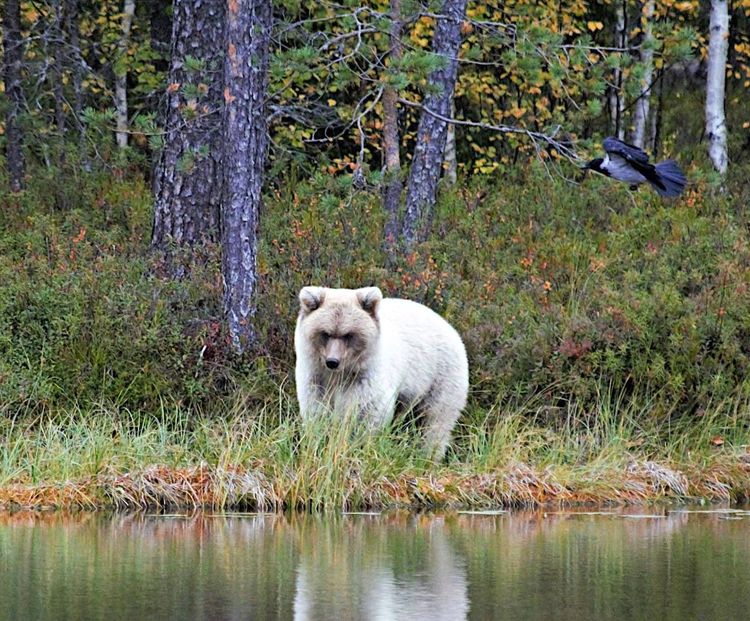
<point x="175" y="173"/>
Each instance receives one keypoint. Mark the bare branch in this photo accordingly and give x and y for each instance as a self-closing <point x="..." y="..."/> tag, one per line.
<point x="563" y="148"/>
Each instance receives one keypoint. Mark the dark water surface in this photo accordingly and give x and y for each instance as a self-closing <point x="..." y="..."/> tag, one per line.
<point x="674" y="564"/>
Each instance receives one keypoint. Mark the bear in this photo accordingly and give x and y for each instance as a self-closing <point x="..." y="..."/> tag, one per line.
<point x="360" y="353"/>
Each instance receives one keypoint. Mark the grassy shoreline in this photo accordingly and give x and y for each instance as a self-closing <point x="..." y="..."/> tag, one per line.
<point x="270" y="461"/>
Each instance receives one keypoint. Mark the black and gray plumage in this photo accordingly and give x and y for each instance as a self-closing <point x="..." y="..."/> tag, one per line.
<point x="630" y="164"/>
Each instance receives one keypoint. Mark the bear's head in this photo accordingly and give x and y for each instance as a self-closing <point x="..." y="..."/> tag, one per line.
<point x="340" y="325"/>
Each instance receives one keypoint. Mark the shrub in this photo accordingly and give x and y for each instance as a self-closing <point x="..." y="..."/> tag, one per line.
<point x="557" y="289"/>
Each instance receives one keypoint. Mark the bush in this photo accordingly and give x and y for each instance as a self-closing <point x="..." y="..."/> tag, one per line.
<point x="84" y="316"/>
<point x="558" y="290"/>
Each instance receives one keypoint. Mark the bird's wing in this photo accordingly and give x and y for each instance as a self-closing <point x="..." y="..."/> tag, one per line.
<point x="622" y="153"/>
<point x="632" y="154"/>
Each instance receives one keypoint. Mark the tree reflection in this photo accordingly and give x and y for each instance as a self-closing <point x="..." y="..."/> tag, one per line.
<point x="577" y="565"/>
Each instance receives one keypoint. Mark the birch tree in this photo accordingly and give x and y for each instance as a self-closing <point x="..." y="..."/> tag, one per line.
<point x="121" y="74"/>
<point x="642" y="104"/>
<point x="718" y="46"/>
<point x="450" y="164"/>
<point x="13" y="45"/>
<point x="427" y="162"/>
<point x="247" y="40"/>
<point x="617" y="101"/>
<point x="188" y="181"/>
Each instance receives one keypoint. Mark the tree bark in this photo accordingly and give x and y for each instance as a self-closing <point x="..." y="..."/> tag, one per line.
<point x="162" y="24"/>
<point x="58" y="46"/>
<point x="121" y="74"/>
<point x="72" y="26"/>
<point x="718" y="45"/>
<point x="657" y="116"/>
<point x="450" y="165"/>
<point x="642" y="104"/>
<point x="431" y="135"/>
<point x="391" y="140"/>
<point x="188" y="180"/>
<point x="617" y="101"/>
<point x="14" y="138"/>
<point x="245" y="137"/>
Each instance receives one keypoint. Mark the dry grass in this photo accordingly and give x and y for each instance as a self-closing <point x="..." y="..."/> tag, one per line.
<point x="519" y="485"/>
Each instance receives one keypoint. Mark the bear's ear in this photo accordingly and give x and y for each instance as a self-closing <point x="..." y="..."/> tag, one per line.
<point x="369" y="298"/>
<point x="310" y="298"/>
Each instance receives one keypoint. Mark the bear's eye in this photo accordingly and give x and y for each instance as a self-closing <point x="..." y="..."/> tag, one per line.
<point x="348" y="337"/>
<point x="325" y="336"/>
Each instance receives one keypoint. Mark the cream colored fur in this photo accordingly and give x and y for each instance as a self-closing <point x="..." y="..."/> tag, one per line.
<point x="387" y="350"/>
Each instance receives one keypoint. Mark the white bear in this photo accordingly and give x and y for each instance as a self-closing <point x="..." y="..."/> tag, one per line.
<point x="357" y="352"/>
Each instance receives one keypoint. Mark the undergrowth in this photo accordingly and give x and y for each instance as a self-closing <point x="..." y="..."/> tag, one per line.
<point x="608" y="336"/>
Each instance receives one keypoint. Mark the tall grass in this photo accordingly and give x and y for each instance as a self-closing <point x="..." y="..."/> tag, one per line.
<point x="269" y="459"/>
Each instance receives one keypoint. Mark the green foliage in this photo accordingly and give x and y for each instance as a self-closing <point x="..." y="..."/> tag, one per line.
<point x="194" y="64"/>
<point x="83" y="312"/>
<point x="556" y="290"/>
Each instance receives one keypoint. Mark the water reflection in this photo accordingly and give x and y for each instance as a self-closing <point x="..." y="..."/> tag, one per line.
<point x="375" y="569"/>
<point x="525" y="565"/>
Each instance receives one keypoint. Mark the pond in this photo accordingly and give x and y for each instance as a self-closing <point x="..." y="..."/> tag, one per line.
<point x="676" y="563"/>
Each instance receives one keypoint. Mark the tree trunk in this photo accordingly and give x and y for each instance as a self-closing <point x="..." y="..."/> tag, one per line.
<point x="718" y="45"/>
<point x="617" y="101"/>
<point x="121" y="74"/>
<point x="450" y="166"/>
<point x="657" y="116"/>
<point x="642" y="104"/>
<point x="58" y="46"/>
<point x="391" y="140"/>
<point x="245" y="138"/>
<point x="77" y="74"/>
<point x="162" y="23"/>
<point x="427" y="162"/>
<point x="188" y="179"/>
<point x="14" y="92"/>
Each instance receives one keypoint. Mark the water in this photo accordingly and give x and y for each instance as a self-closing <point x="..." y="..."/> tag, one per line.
<point x="524" y="565"/>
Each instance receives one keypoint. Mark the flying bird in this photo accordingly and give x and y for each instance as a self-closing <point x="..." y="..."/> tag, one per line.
<point x="630" y="164"/>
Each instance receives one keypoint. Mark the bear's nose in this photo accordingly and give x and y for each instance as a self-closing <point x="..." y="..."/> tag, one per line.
<point x="332" y="363"/>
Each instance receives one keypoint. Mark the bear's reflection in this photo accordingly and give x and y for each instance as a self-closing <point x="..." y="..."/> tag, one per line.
<point x="368" y="569"/>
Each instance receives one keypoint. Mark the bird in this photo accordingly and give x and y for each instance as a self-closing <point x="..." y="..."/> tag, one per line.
<point x="630" y="164"/>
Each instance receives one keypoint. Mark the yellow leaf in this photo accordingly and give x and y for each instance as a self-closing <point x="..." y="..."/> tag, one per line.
<point x="331" y="102"/>
<point x="594" y="26"/>
<point x="684" y="6"/>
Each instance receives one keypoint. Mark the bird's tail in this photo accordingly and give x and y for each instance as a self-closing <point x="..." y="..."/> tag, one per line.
<point x="672" y="179"/>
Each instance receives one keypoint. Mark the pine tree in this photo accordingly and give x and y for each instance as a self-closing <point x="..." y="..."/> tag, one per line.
<point x="427" y="162"/>
<point x="13" y="44"/>
<point x="247" y="41"/>
<point x="188" y="182"/>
